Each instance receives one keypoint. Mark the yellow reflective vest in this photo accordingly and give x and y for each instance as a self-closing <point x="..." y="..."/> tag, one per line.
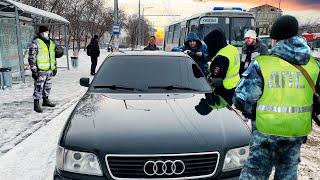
<point x="232" y="78"/>
<point x="45" y="56"/>
<point x="285" y="107"/>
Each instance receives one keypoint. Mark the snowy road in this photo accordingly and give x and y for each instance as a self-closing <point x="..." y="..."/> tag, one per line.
<point x="34" y="158"/>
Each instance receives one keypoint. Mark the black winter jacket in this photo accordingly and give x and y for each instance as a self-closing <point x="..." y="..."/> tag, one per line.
<point x="95" y="49"/>
<point x="215" y="41"/>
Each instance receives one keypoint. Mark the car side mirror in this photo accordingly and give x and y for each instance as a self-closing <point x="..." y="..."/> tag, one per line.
<point x="85" y="82"/>
<point x="196" y="71"/>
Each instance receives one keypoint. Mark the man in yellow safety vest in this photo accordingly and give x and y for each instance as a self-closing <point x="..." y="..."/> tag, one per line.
<point x="225" y="66"/>
<point x="277" y="92"/>
<point x="42" y="61"/>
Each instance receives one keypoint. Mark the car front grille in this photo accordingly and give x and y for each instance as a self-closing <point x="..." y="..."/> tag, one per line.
<point x="168" y="166"/>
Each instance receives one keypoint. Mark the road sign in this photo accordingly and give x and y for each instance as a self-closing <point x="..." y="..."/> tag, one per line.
<point x="116" y="29"/>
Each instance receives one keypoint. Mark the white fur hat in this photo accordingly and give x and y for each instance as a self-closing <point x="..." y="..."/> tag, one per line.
<point x="250" y="34"/>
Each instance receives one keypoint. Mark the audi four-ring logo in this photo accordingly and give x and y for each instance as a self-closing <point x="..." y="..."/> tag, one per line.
<point x="160" y="168"/>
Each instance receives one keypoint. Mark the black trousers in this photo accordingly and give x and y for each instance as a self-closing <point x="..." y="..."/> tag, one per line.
<point x="94" y="61"/>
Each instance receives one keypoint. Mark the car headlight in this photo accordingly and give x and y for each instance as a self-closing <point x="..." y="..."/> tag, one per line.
<point x="78" y="162"/>
<point x="235" y="158"/>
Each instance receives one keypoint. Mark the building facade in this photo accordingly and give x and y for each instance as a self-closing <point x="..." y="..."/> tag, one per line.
<point x="265" y="15"/>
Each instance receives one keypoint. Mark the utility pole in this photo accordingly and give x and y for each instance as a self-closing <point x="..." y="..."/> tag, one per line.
<point x="116" y="26"/>
<point x="279" y="4"/>
<point x="139" y="24"/>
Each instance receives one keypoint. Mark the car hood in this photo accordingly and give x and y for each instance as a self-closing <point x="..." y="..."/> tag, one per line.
<point x="151" y="124"/>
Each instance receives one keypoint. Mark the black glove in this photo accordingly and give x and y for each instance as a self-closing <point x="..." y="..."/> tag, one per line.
<point x="35" y="75"/>
<point x="191" y="53"/>
<point x="203" y="108"/>
<point x="212" y="99"/>
<point x="54" y="72"/>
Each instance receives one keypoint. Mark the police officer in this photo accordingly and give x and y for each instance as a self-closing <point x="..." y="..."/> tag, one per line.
<point x="279" y="99"/>
<point x="43" y="65"/>
<point x="225" y="64"/>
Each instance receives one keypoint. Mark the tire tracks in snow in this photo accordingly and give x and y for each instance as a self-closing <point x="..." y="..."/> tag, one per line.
<point x="6" y="146"/>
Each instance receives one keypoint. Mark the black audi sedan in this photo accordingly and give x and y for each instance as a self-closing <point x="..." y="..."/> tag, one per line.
<point x="145" y="116"/>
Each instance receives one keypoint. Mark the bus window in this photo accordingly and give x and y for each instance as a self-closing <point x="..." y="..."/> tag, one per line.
<point x="238" y="28"/>
<point x="182" y="36"/>
<point x="208" y="24"/>
<point x="165" y="39"/>
<point x="194" y="24"/>
<point x="170" y="34"/>
<point x="176" y="34"/>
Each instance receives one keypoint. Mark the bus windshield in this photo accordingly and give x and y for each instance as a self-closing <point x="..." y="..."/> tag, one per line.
<point x="238" y="29"/>
<point x="216" y="23"/>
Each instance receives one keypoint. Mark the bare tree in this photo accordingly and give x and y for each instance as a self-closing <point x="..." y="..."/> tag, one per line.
<point x="311" y="26"/>
<point x="87" y="18"/>
<point x="132" y="30"/>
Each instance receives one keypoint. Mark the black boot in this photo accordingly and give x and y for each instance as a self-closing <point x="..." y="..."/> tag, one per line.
<point x="47" y="102"/>
<point x="37" y="107"/>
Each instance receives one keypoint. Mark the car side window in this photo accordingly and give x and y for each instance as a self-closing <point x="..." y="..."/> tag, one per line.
<point x="195" y="77"/>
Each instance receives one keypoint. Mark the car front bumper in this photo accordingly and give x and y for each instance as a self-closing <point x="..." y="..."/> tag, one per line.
<point x="59" y="175"/>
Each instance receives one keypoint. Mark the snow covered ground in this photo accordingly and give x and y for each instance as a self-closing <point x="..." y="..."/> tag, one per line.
<point x="34" y="158"/>
<point x="18" y="120"/>
<point x="310" y="156"/>
<point x="28" y="140"/>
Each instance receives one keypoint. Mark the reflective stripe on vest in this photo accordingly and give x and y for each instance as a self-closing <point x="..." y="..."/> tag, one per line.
<point x="45" y="58"/>
<point x="232" y="78"/>
<point x="281" y="109"/>
<point x="285" y="107"/>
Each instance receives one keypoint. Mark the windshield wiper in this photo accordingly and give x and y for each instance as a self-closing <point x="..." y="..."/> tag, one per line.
<point x="172" y="87"/>
<point x="115" y="87"/>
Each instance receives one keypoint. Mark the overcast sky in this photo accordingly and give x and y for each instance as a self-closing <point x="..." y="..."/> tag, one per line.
<point x="304" y="10"/>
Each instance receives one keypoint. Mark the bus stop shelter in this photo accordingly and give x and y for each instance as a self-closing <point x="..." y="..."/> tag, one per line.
<point x="17" y="22"/>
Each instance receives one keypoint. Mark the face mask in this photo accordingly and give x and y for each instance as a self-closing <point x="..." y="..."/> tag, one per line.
<point x="46" y="35"/>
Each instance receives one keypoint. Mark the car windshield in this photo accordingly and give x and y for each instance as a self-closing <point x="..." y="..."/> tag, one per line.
<point x="150" y="74"/>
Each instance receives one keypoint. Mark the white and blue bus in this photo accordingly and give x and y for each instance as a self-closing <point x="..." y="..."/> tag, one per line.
<point x="234" y="22"/>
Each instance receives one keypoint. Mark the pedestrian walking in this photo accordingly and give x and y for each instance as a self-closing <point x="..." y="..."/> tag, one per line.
<point x="152" y="45"/>
<point x="224" y="69"/>
<point x="278" y="92"/>
<point x="93" y="50"/>
<point x="252" y="48"/>
<point x="196" y="50"/>
<point x="42" y="61"/>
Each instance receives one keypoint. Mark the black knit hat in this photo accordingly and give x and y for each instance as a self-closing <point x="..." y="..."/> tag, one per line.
<point x="215" y="41"/>
<point x="43" y="29"/>
<point x="284" y="27"/>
